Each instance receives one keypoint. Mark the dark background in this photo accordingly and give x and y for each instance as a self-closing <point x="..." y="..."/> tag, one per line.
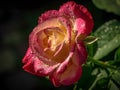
<point x="17" y="19"/>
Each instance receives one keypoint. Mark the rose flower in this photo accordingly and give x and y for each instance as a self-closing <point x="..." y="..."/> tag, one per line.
<point x="56" y="45"/>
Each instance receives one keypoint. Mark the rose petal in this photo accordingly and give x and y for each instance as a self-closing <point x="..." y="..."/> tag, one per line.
<point x="54" y="80"/>
<point x="42" y="69"/>
<point x="80" y="25"/>
<point x="79" y="12"/>
<point x="71" y="75"/>
<point x="64" y="64"/>
<point x="48" y="15"/>
<point x="68" y="77"/>
<point x="36" y="66"/>
<point x="27" y="55"/>
<point x="29" y="66"/>
<point x="67" y="25"/>
<point x="81" y="53"/>
<point x="67" y="9"/>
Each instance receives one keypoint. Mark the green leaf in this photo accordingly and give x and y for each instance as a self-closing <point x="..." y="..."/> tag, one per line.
<point x="116" y="77"/>
<point x="109" y="34"/>
<point x="101" y="84"/>
<point x="118" y="2"/>
<point x="90" y="39"/>
<point x="117" y="54"/>
<point x="86" y="80"/>
<point x="101" y="78"/>
<point x="112" y="86"/>
<point x="108" y="5"/>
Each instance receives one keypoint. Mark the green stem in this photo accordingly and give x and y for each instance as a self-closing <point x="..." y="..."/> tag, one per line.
<point x="75" y="86"/>
<point x="101" y="63"/>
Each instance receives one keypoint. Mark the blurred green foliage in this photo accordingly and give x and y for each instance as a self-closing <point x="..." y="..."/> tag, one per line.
<point x="108" y="5"/>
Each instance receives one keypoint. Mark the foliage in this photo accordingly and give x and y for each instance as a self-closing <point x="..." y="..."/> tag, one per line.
<point x="102" y="69"/>
<point x="100" y="72"/>
<point x="108" y="5"/>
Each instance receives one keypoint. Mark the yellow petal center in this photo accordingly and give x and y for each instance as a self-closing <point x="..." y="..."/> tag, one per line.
<point x="53" y="41"/>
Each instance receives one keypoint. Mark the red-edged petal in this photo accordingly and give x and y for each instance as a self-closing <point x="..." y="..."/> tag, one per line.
<point x="78" y="12"/>
<point x="27" y="55"/>
<point x="81" y="53"/>
<point x="42" y="69"/>
<point x="80" y="26"/>
<point x="55" y="80"/>
<point x="71" y="75"/>
<point x="83" y="14"/>
<point x="29" y="66"/>
<point x="67" y="9"/>
<point x="36" y="66"/>
<point x="48" y="15"/>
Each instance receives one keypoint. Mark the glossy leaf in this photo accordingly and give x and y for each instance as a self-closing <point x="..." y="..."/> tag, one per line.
<point x="109" y="34"/>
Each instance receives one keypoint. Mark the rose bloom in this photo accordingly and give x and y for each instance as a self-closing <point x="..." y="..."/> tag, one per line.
<point x="56" y="45"/>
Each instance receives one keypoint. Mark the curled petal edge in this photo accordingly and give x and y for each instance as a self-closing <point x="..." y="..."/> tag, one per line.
<point x="36" y="66"/>
<point x="67" y="78"/>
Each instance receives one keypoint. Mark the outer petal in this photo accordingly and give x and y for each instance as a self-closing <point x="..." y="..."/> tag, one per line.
<point x="81" y="53"/>
<point x="82" y="13"/>
<point x="27" y="56"/>
<point x="71" y="75"/>
<point x="42" y="69"/>
<point x="35" y="66"/>
<point x="78" y="12"/>
<point x="29" y="66"/>
<point x="68" y="77"/>
<point x="48" y="15"/>
<point x="67" y="9"/>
